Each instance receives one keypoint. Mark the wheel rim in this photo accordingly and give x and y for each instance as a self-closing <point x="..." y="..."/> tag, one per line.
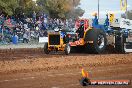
<point x="101" y="41"/>
<point x="68" y="49"/>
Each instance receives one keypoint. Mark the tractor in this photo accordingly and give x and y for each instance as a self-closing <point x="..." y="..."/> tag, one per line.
<point x="88" y="38"/>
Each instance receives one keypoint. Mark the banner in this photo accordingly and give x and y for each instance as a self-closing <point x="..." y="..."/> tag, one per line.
<point x="123" y="5"/>
<point x="43" y="39"/>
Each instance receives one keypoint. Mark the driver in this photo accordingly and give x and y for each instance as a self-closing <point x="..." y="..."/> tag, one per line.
<point x="80" y="30"/>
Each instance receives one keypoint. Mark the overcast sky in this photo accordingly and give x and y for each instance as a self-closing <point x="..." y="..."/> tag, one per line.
<point x="106" y="6"/>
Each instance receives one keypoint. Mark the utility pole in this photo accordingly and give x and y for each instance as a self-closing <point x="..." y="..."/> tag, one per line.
<point x="98" y="9"/>
<point x="126" y="10"/>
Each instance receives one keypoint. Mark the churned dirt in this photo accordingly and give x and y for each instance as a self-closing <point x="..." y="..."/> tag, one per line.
<point x="23" y="60"/>
<point x="16" y="64"/>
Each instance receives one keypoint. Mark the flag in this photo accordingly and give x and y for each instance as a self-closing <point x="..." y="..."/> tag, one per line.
<point x="112" y="16"/>
<point x="123" y="5"/>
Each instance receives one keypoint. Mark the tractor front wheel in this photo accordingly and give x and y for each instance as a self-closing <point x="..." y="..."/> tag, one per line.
<point x="67" y="49"/>
<point x="46" y="51"/>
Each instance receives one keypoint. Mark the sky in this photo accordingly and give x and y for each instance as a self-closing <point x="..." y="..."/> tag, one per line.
<point x="106" y="6"/>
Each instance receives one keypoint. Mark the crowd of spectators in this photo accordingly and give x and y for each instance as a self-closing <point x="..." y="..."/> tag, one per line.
<point x="27" y="29"/>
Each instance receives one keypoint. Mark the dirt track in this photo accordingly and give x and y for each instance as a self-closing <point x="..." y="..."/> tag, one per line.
<point x="31" y="68"/>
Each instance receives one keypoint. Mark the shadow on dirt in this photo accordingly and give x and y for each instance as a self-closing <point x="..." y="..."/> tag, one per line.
<point x="17" y="54"/>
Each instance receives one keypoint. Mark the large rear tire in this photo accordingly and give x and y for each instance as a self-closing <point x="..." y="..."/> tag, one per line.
<point x="99" y="41"/>
<point x="119" y="43"/>
<point x="46" y="51"/>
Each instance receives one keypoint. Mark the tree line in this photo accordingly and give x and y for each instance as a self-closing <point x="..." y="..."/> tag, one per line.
<point x="54" y="8"/>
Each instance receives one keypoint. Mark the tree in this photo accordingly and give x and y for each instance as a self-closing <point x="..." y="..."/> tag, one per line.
<point x="8" y="6"/>
<point x="75" y="13"/>
<point x="61" y="8"/>
<point x="127" y="15"/>
<point x="55" y="8"/>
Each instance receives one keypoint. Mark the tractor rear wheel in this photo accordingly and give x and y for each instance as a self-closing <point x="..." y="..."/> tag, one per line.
<point x="46" y="51"/>
<point x="99" y="41"/>
<point x="119" y="43"/>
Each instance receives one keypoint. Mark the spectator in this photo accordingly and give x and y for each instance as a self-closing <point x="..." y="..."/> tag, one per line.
<point x="34" y="17"/>
<point x="26" y="37"/>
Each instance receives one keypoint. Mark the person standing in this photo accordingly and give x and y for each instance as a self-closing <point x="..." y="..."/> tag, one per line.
<point x="25" y="37"/>
<point x="34" y="17"/>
